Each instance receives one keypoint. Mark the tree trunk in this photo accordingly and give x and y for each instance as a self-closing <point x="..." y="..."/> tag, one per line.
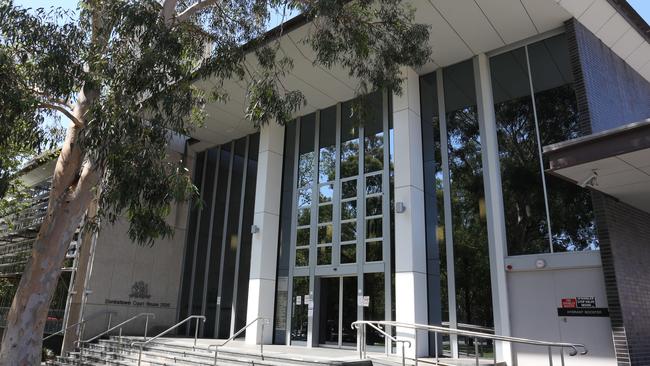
<point x="70" y="195"/>
<point x="23" y="337"/>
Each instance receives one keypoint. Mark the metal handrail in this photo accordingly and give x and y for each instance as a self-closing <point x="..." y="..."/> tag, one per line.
<point x="469" y="327"/>
<point x="196" y="333"/>
<point x="216" y="346"/>
<point x="80" y="343"/>
<point x="362" y="347"/>
<point x="109" y="313"/>
<point x="146" y="325"/>
<point x="476" y="335"/>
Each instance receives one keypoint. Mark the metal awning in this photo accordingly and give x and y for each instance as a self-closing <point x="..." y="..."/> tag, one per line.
<point x="615" y="162"/>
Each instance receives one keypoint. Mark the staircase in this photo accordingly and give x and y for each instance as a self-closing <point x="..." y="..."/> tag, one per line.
<point x="113" y="352"/>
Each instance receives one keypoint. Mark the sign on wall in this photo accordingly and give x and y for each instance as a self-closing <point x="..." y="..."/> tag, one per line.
<point x="139" y="296"/>
<point x="581" y="306"/>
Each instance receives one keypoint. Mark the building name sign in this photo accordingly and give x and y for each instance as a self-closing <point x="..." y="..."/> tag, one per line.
<point x="139" y="296"/>
<point x="581" y="306"/>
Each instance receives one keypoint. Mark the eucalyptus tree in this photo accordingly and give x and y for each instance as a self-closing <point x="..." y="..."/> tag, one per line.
<point x="124" y="73"/>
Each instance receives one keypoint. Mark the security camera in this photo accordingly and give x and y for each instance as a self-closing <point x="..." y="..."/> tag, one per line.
<point x="591" y="180"/>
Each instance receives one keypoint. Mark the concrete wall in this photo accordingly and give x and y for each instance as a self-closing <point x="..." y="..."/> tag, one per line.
<point x="535" y="296"/>
<point x="120" y="263"/>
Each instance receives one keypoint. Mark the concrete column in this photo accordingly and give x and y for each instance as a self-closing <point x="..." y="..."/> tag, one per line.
<point x="264" y="247"/>
<point x="410" y="241"/>
<point x="494" y="204"/>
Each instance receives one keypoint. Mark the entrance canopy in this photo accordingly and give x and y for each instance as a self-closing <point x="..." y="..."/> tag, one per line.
<point x="615" y="162"/>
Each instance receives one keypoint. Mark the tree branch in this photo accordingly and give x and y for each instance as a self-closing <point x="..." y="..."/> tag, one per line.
<point x="167" y="11"/>
<point x="193" y="9"/>
<point x="63" y="110"/>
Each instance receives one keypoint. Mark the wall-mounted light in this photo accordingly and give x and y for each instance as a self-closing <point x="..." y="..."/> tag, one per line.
<point x="255" y="229"/>
<point x="400" y="207"/>
<point x="540" y="264"/>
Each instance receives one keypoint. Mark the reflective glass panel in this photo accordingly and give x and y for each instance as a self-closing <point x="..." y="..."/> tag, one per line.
<point x="324" y="255"/>
<point x="374" y="228"/>
<point x="373" y="184"/>
<point x="302" y="237"/>
<point x="348" y="231"/>
<point x="304" y="216"/>
<point x="373" y="206"/>
<point x="302" y="257"/>
<point x="349" y="253"/>
<point x="349" y="142"/>
<point x="325" y="213"/>
<point x="348" y="210"/>
<point x="325" y="234"/>
<point x="374" y="251"/>
<point x="349" y="188"/>
<point x="325" y="193"/>
<point x="327" y="142"/>
<point x="473" y="290"/>
<point x="299" y="316"/>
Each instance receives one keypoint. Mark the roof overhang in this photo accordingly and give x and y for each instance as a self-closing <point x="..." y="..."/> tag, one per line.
<point x="459" y="30"/>
<point x="615" y="162"/>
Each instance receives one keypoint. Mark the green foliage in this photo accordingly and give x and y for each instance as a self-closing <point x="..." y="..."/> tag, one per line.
<point x="138" y="70"/>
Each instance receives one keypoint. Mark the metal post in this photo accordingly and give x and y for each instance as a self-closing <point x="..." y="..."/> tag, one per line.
<point x="404" y="355"/>
<point x="196" y="334"/>
<point x="140" y="355"/>
<point x="262" y="342"/>
<point x="359" y="341"/>
<point x="494" y="351"/>
<point x="415" y="346"/>
<point x="550" y="356"/>
<point x="120" y="335"/>
<point x="110" y="318"/>
<point x="216" y="349"/>
<point x="476" y="350"/>
<point x="146" y="325"/>
<point x="435" y="338"/>
<point x="562" y="355"/>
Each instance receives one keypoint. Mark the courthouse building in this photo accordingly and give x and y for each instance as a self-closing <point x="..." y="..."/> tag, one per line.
<point x="507" y="191"/>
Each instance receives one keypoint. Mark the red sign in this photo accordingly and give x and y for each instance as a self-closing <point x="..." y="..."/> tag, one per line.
<point x="569" y="303"/>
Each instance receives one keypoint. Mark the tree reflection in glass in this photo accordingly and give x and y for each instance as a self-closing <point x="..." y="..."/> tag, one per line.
<point x="471" y="259"/>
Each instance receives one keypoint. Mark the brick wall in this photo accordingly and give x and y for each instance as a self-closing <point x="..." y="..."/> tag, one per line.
<point x="624" y="234"/>
<point x="610" y="93"/>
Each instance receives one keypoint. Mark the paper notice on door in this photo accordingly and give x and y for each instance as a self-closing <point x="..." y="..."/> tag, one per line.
<point x="307" y="300"/>
<point x="360" y="300"/>
<point x="298" y="300"/>
<point x="366" y="301"/>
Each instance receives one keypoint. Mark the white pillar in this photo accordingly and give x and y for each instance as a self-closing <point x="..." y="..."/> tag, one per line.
<point x="494" y="204"/>
<point x="264" y="247"/>
<point x="410" y="242"/>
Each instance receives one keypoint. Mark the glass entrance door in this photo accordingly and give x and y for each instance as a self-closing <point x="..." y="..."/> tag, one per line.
<point x="338" y="309"/>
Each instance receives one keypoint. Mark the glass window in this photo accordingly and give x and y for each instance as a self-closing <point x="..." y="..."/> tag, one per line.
<point x="348" y="253"/>
<point x="349" y="188"/>
<point x="374" y="228"/>
<point x="374" y="288"/>
<point x="302" y="237"/>
<point x="302" y="257"/>
<point x="374" y="251"/>
<point x="299" y="316"/>
<point x="325" y="193"/>
<point x="349" y="231"/>
<point x="324" y="255"/>
<point x="373" y="135"/>
<point x="348" y="210"/>
<point x="325" y="234"/>
<point x="473" y="290"/>
<point x="572" y="218"/>
<point x="325" y="213"/>
<point x="534" y="225"/>
<point x="373" y="206"/>
<point x="373" y="184"/>
<point x="521" y="177"/>
<point x="327" y="142"/>
<point x="349" y="142"/>
<point x="304" y="216"/>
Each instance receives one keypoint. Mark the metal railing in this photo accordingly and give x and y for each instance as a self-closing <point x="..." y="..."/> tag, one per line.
<point x="83" y="324"/>
<point x="196" y="333"/>
<point x="360" y="325"/>
<point x="81" y="343"/>
<point x="362" y="345"/>
<point x="216" y="346"/>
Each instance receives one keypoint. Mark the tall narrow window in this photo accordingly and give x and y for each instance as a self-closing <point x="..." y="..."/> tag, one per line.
<point x="535" y="105"/>
<point x="471" y="259"/>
